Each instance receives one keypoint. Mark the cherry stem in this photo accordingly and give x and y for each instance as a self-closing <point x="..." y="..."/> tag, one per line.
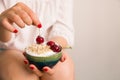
<point x="67" y="47"/>
<point x="39" y="32"/>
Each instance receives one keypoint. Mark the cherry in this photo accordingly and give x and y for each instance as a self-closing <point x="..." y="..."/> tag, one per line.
<point x="56" y="48"/>
<point x="50" y="43"/>
<point x="39" y="39"/>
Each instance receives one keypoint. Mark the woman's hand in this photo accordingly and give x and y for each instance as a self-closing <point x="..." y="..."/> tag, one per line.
<point x="19" y="14"/>
<point x="63" y="70"/>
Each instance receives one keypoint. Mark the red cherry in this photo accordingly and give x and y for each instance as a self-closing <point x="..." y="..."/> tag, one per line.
<point x="50" y="43"/>
<point x="39" y="39"/>
<point x="56" y="48"/>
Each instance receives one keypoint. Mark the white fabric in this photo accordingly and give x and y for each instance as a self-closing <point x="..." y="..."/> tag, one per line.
<point x="55" y="16"/>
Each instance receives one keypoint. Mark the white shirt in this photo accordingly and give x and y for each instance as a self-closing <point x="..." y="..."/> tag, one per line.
<point x="54" y="15"/>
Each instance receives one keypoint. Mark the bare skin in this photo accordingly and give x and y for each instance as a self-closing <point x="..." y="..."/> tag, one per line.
<point x="13" y="68"/>
<point x="62" y="71"/>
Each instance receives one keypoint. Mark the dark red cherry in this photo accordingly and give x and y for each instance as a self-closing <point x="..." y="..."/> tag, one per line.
<point x="50" y="43"/>
<point x="56" y="48"/>
<point x="39" y="39"/>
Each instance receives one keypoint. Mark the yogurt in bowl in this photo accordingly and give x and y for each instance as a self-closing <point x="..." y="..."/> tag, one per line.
<point x="43" y="54"/>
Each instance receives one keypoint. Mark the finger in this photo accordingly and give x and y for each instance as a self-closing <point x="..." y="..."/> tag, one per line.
<point x="31" y="14"/>
<point x="48" y="70"/>
<point x="15" y="18"/>
<point x="24" y="16"/>
<point x="24" y="53"/>
<point x="8" y="26"/>
<point x="63" y="57"/>
<point x="35" y="70"/>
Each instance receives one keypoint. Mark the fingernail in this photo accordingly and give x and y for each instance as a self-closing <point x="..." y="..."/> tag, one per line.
<point x="15" y="31"/>
<point x="31" y="67"/>
<point x="64" y="58"/>
<point x="45" y="69"/>
<point x="39" y="26"/>
<point x="25" y="62"/>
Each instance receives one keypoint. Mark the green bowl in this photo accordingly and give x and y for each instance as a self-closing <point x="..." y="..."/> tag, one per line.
<point x="40" y="62"/>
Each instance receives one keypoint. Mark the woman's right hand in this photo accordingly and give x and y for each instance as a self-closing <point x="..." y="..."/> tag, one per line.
<point x="19" y="14"/>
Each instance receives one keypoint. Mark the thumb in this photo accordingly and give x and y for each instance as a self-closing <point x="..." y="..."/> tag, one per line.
<point x="63" y="57"/>
<point x="48" y="70"/>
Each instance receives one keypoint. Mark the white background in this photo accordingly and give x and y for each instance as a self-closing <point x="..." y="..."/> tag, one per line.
<point x="96" y="52"/>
